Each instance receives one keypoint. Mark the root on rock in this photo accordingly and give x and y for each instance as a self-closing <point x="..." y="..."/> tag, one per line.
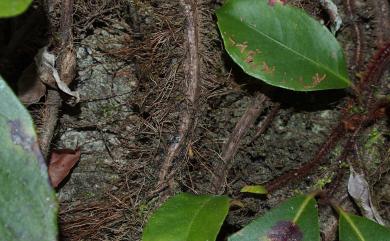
<point x="192" y="76"/>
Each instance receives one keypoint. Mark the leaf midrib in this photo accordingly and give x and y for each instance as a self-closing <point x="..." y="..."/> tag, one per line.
<point x="293" y="51"/>
<point x="195" y="217"/>
<point x="353" y="226"/>
<point x="302" y="208"/>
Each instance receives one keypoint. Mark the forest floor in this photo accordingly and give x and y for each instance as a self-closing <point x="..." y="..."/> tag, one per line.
<point x="152" y="121"/>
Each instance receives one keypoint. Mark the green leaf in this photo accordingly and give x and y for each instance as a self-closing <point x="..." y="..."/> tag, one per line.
<point x="282" y="45"/>
<point x="256" y="189"/>
<point x="9" y="8"/>
<point x="295" y="219"/>
<point x="27" y="201"/>
<point x="187" y="217"/>
<point x="355" y="228"/>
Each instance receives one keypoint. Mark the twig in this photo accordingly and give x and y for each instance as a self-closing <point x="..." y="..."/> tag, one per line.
<point x="49" y="117"/>
<point x="192" y="73"/>
<point x="231" y="146"/>
<point x="359" y="38"/>
<point x="66" y="66"/>
<point x="354" y="123"/>
<point x="66" y="23"/>
<point x="382" y="10"/>
<point x="264" y="124"/>
<point x="305" y="169"/>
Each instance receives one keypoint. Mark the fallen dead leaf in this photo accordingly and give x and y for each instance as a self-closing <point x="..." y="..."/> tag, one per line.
<point x="46" y="68"/>
<point x="61" y="163"/>
<point x="359" y="189"/>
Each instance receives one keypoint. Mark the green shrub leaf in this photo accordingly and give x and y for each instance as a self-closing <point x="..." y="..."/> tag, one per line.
<point x="255" y="189"/>
<point x="9" y="8"/>
<point x="295" y="219"/>
<point x="27" y="201"/>
<point x="282" y="45"/>
<point x="187" y="217"/>
<point x="355" y="228"/>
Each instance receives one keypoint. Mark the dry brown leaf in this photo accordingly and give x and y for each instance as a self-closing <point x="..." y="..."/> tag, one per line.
<point x="61" y="163"/>
<point x="46" y="63"/>
<point x="68" y="68"/>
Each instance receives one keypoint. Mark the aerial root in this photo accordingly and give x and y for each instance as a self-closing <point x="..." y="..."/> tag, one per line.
<point x="192" y="76"/>
<point x="230" y="148"/>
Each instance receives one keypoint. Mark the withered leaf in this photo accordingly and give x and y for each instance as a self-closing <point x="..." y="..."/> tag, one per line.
<point x="61" y="163"/>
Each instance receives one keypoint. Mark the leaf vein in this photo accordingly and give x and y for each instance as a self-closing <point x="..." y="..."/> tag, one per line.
<point x="293" y="51"/>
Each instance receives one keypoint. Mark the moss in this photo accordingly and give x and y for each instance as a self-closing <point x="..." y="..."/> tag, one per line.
<point x="324" y="180"/>
<point x="89" y="195"/>
<point x="337" y="150"/>
<point x="344" y="165"/>
<point x="357" y="110"/>
<point x="372" y="147"/>
<point x="145" y="209"/>
<point x="374" y="138"/>
<point x="108" y="110"/>
<point x="297" y="192"/>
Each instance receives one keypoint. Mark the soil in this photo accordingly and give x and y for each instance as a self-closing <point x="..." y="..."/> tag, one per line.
<point x="132" y="77"/>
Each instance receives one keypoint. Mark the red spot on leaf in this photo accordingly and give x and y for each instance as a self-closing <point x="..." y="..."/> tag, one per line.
<point x="61" y="163"/>
<point x="272" y="2"/>
<point x="285" y="231"/>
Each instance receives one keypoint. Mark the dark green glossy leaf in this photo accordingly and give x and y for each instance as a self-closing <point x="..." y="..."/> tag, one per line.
<point x="282" y="45"/>
<point x="296" y="219"/>
<point x="9" y="8"/>
<point x="355" y="228"/>
<point x="187" y="217"/>
<point x="27" y="201"/>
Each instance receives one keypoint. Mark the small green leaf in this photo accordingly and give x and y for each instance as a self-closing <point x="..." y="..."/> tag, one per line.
<point x="27" y="201"/>
<point x="282" y="45"/>
<point x="10" y="8"/>
<point x="256" y="189"/>
<point x="296" y="219"/>
<point x="355" y="228"/>
<point x="187" y="217"/>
